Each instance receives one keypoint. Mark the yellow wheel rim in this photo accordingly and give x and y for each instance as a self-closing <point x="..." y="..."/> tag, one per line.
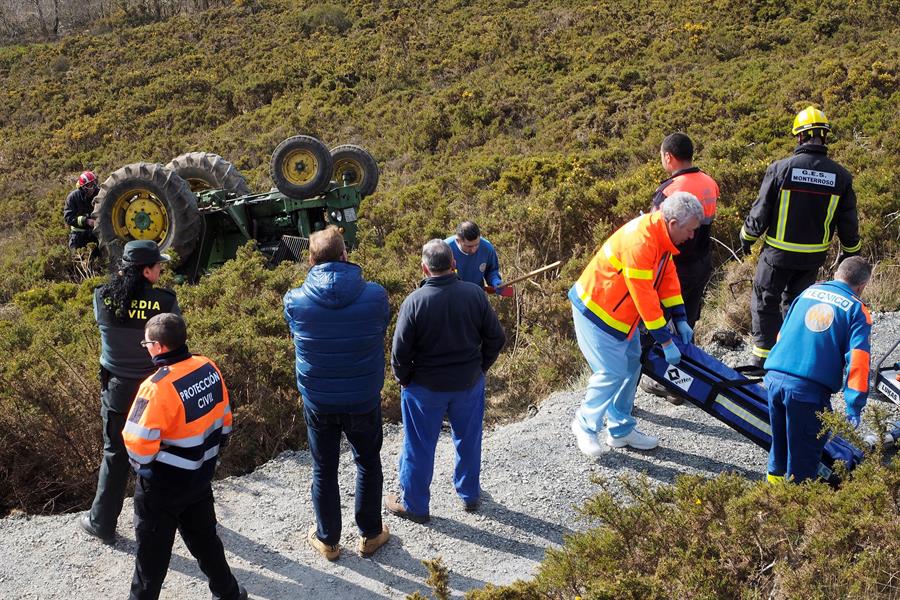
<point x="351" y="168"/>
<point x="198" y="185"/>
<point x="140" y="215"/>
<point x="299" y="167"/>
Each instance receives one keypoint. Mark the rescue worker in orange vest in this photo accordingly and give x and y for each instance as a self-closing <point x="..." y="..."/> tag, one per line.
<point x="631" y="279"/>
<point x="802" y="200"/>
<point x="693" y="262"/>
<point x="180" y="419"/>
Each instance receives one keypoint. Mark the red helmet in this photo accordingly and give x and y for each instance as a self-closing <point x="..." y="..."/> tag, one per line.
<point x="87" y="178"/>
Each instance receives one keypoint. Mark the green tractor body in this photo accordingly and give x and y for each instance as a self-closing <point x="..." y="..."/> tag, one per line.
<point x="201" y="208"/>
<point x="279" y="224"/>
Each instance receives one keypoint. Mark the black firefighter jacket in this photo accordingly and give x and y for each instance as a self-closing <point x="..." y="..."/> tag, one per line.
<point x="802" y="199"/>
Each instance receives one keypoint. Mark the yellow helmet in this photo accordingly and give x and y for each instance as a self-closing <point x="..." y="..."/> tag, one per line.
<point x="810" y="118"/>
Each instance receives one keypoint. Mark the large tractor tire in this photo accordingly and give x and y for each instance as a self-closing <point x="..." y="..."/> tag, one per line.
<point x="208" y="171"/>
<point x="301" y="167"/>
<point x="146" y="201"/>
<point x="355" y="166"/>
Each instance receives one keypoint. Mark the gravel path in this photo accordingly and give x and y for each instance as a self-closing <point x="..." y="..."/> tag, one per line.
<point x="534" y="477"/>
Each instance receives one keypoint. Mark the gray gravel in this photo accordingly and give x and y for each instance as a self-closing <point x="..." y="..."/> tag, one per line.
<point x="534" y="477"/>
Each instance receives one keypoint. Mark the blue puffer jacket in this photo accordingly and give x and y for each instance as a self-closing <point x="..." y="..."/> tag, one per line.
<point x="338" y="322"/>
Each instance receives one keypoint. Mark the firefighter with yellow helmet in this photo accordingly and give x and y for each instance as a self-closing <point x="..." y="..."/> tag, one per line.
<point x="803" y="199"/>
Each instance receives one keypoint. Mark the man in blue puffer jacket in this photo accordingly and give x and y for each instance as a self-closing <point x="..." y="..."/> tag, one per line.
<point x="338" y="322"/>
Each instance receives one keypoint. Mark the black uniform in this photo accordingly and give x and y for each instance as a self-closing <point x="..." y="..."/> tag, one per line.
<point x="124" y="364"/>
<point x="802" y="200"/>
<point x="77" y="210"/>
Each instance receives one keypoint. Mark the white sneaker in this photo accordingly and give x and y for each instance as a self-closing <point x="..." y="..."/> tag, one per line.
<point x="635" y="439"/>
<point x="587" y="441"/>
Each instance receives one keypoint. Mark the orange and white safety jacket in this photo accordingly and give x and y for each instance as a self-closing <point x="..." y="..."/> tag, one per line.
<point x="180" y="418"/>
<point x="631" y="278"/>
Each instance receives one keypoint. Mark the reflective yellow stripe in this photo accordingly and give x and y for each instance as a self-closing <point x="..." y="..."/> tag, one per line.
<point x="672" y="301"/>
<point x="760" y="352"/>
<point x="746" y="236"/>
<point x="629" y="272"/>
<point x="792" y="247"/>
<point x="774" y="479"/>
<point x="832" y="205"/>
<point x="782" y="214"/>
<point x="656" y="323"/>
<point x="612" y="258"/>
<point x="638" y="273"/>
<point x="595" y="308"/>
<point x="855" y="248"/>
<point x="745" y="415"/>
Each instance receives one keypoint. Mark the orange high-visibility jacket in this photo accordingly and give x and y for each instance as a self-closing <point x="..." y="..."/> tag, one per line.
<point x="180" y="417"/>
<point x="632" y="277"/>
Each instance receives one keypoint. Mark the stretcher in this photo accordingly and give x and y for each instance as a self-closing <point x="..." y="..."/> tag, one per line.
<point x="887" y="382"/>
<point x="731" y="397"/>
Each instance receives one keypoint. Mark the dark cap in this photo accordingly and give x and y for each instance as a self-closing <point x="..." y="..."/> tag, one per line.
<point x="143" y="252"/>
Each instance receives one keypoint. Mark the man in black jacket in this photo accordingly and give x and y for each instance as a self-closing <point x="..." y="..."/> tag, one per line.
<point x="802" y="200"/>
<point x="447" y="337"/>
<point x="78" y="208"/>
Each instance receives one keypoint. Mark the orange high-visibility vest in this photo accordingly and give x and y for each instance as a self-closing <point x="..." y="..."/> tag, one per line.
<point x="631" y="278"/>
<point x="178" y="420"/>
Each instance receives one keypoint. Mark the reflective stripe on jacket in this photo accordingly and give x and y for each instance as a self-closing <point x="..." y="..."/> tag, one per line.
<point x="825" y="338"/>
<point x="802" y="200"/>
<point x="178" y="421"/>
<point x="632" y="277"/>
<point x="706" y="190"/>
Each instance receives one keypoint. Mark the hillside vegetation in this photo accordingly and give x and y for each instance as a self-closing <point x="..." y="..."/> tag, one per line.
<point x="540" y="120"/>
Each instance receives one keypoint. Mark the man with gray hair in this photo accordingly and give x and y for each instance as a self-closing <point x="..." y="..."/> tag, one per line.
<point x="447" y="337"/>
<point x="631" y="279"/>
<point x="823" y="345"/>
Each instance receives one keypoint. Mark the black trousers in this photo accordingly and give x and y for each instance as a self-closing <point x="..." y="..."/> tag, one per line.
<point x="80" y="239"/>
<point x="774" y="288"/>
<point x="693" y="277"/>
<point x="158" y="512"/>
<point x="116" y="397"/>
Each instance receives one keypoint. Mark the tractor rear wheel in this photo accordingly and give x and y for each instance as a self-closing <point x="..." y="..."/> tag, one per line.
<point x="355" y="166"/>
<point x="301" y="167"/>
<point x="208" y="171"/>
<point x="146" y="201"/>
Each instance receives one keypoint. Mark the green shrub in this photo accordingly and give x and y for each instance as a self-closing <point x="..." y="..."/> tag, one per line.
<point x="541" y="121"/>
<point x="729" y="538"/>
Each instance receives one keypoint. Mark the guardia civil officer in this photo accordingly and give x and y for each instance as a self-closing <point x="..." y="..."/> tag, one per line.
<point x="179" y="422"/>
<point x="122" y="307"/>
<point x="802" y="200"/>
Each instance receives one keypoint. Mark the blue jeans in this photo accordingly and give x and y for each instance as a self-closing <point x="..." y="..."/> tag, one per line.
<point x="616" y="366"/>
<point x="796" y="449"/>
<point x="364" y="434"/>
<point x="423" y="412"/>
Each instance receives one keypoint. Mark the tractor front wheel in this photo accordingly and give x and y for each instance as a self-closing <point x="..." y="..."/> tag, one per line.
<point x="301" y="167"/>
<point x="146" y="201"/>
<point x="355" y="166"/>
<point x="208" y="171"/>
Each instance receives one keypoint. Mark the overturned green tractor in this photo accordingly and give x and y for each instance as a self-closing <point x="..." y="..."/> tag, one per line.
<point x="200" y="207"/>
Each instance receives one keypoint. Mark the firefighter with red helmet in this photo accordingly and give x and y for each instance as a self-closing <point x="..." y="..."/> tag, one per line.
<point x="78" y="208"/>
<point x="802" y="201"/>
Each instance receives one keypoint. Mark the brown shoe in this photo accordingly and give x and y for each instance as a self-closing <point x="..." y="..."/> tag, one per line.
<point x="368" y="546"/>
<point x="328" y="551"/>
<point x="395" y="506"/>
